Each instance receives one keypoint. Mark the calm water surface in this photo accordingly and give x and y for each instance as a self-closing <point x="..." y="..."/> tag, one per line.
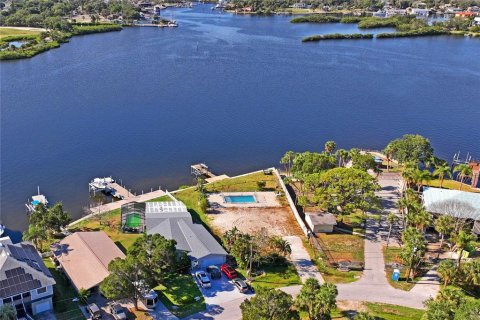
<point x="232" y="91"/>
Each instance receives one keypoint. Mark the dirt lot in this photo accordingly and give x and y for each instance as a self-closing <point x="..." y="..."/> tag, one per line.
<point x="278" y="221"/>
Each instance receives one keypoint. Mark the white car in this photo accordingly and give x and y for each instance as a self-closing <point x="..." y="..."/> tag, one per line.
<point x="203" y="279"/>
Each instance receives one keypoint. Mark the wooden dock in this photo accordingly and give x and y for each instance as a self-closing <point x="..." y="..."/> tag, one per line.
<point x="201" y="170"/>
<point x="118" y="191"/>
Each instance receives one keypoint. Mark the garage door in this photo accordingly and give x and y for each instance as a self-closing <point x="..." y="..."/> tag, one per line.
<point x="212" y="260"/>
<point x="41" y="307"/>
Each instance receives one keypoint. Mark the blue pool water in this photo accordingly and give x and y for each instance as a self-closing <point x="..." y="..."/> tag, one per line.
<point x="240" y="199"/>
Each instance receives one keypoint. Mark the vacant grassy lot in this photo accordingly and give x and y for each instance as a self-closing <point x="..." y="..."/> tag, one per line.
<point x="341" y="246"/>
<point x="178" y="295"/>
<point x="330" y="273"/>
<point x="63" y="293"/>
<point x="6" y="32"/>
<point x="275" y="276"/>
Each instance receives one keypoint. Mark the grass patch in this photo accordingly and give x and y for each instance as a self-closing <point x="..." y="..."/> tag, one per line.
<point x="7" y="32"/>
<point x="178" y="295"/>
<point x="354" y="222"/>
<point x="63" y="293"/>
<point x="161" y="199"/>
<point x="452" y="184"/>
<point x="392" y="254"/>
<point x="330" y="273"/>
<point x="275" y="276"/>
<point x="109" y="222"/>
<point x="393" y="312"/>
<point x="247" y="183"/>
<point x="343" y="246"/>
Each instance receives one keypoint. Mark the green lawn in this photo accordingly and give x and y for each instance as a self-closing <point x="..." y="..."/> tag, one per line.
<point x="6" y="32"/>
<point x="330" y="274"/>
<point x="353" y="222"/>
<point x="393" y="312"/>
<point x="109" y="222"/>
<point x="180" y="291"/>
<point x="275" y="276"/>
<point x="451" y="184"/>
<point x="392" y="254"/>
<point x="63" y="293"/>
<point x="161" y="199"/>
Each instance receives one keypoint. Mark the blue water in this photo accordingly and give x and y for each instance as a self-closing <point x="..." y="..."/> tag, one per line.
<point x="234" y="92"/>
<point x="239" y="199"/>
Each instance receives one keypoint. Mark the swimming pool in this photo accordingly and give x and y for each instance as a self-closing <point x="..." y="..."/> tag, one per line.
<point x="240" y="199"/>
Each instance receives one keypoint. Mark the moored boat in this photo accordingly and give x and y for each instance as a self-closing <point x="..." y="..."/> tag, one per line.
<point x="36" y="200"/>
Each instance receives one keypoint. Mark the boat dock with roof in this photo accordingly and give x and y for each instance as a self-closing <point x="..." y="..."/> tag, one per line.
<point x="36" y="200"/>
<point x="202" y="170"/>
<point x="109" y="186"/>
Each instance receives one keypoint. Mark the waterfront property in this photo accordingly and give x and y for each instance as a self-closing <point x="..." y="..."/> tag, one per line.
<point x="25" y="281"/>
<point x="133" y="217"/>
<point x="173" y="221"/>
<point x="84" y="258"/>
<point x="320" y="221"/>
<point x="456" y="203"/>
<point x="244" y="199"/>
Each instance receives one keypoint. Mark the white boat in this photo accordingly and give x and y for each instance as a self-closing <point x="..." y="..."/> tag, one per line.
<point x="100" y="183"/>
<point x="36" y="200"/>
<point x="2" y="229"/>
<point x="172" y="24"/>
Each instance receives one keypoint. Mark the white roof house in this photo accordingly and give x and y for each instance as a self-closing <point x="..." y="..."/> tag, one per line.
<point x="457" y="203"/>
<point x="173" y="221"/>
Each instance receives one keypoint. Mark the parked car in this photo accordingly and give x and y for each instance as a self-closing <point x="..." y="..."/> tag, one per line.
<point x="214" y="272"/>
<point x="94" y="311"/>
<point x="203" y="279"/>
<point x="117" y="311"/>
<point x="240" y="285"/>
<point x="228" y="271"/>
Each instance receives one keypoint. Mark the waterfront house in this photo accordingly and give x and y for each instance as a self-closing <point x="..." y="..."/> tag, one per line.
<point x="133" y="217"/>
<point x="476" y="22"/>
<point x="419" y="12"/>
<point x="173" y="221"/>
<point x="299" y="5"/>
<point x="466" y="14"/>
<point x="459" y="204"/>
<point x="320" y="221"/>
<point x="25" y="281"/>
<point x="84" y="258"/>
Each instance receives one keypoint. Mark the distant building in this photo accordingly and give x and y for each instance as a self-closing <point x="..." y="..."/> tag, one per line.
<point x="476" y="22"/>
<point x="299" y="5"/>
<point x="420" y="12"/>
<point x="456" y="203"/>
<point x="466" y="14"/>
<point x="173" y="221"/>
<point x="380" y="14"/>
<point x="84" y="258"/>
<point x="25" y="281"/>
<point x="320" y="221"/>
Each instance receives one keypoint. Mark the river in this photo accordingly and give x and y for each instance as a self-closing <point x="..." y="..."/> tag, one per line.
<point x="232" y="91"/>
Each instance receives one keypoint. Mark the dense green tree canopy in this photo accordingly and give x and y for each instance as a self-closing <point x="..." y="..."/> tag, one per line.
<point x="269" y="304"/>
<point x="410" y="148"/>
<point x="307" y="163"/>
<point x="318" y="301"/>
<point x="344" y="190"/>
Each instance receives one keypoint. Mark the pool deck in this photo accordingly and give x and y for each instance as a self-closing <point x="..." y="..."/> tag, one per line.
<point x="265" y="199"/>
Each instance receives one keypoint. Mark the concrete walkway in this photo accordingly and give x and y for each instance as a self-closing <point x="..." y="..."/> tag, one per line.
<point x="301" y="260"/>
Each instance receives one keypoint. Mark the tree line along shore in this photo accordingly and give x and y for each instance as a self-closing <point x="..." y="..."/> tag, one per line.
<point x="405" y="26"/>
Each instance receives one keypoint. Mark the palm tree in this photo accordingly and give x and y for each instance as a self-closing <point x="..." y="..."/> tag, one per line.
<point x="441" y="171"/>
<point x="388" y="151"/>
<point x="471" y="270"/>
<point x="282" y="246"/>
<point x="83" y="296"/>
<point x="330" y="146"/>
<point x="463" y="241"/>
<point x="231" y="236"/>
<point x="36" y="234"/>
<point x="420" y="176"/>
<point x="444" y="226"/>
<point x="391" y="219"/>
<point x="418" y="217"/>
<point x="7" y="312"/>
<point x="447" y="271"/>
<point x="342" y="156"/>
<point x="464" y="171"/>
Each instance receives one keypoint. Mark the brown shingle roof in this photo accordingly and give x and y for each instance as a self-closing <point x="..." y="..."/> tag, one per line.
<point x="85" y="257"/>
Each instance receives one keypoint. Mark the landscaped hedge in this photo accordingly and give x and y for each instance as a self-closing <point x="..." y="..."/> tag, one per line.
<point x="335" y="36"/>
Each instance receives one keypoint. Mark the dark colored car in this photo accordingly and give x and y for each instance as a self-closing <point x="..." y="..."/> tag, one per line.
<point x="240" y="285"/>
<point x="228" y="271"/>
<point x="214" y="272"/>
